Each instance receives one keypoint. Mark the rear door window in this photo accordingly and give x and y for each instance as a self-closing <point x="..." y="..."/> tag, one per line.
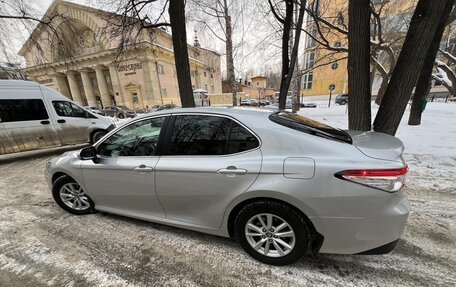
<point x="22" y="110"/>
<point x="209" y="135"/>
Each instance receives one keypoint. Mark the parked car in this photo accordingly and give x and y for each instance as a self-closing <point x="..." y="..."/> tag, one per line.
<point x="95" y="110"/>
<point x="33" y="117"/>
<point x="308" y="105"/>
<point x="142" y="111"/>
<point x="246" y="102"/>
<point x="282" y="184"/>
<point x="342" y="99"/>
<point x="275" y="106"/>
<point x="166" y="107"/>
<point x="120" y="112"/>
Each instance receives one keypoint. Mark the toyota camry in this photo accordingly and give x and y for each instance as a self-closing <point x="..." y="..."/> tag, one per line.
<point x="282" y="184"/>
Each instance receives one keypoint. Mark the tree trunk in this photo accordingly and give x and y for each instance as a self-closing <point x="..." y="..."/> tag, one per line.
<point x="229" y="53"/>
<point x="419" y="37"/>
<point x="287" y="63"/>
<point x="423" y="86"/>
<point x="176" y="12"/>
<point x="283" y="93"/>
<point x="359" y="109"/>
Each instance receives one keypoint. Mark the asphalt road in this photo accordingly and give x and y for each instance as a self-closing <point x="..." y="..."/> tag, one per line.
<point x="42" y="245"/>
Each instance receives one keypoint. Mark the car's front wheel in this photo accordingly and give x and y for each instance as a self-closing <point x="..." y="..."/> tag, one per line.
<point x="70" y="196"/>
<point x="272" y="232"/>
<point x="97" y="135"/>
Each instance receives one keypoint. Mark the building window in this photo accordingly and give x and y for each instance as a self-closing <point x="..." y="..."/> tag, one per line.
<point x="212" y="76"/>
<point x="160" y="69"/>
<point x="309" y="60"/>
<point x="164" y="92"/>
<point x="334" y="66"/>
<point x="340" y="19"/>
<point x="205" y="87"/>
<point x="310" y="39"/>
<point x="307" y="81"/>
<point x="205" y="74"/>
<point x="212" y="89"/>
<point x="94" y="82"/>
<point x="192" y="73"/>
<point x="108" y="79"/>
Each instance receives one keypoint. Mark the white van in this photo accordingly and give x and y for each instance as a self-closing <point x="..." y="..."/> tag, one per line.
<point x="33" y="116"/>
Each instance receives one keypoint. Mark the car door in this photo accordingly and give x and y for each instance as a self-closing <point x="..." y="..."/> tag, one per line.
<point x="209" y="161"/>
<point x="72" y="122"/>
<point x="123" y="179"/>
<point x="26" y="122"/>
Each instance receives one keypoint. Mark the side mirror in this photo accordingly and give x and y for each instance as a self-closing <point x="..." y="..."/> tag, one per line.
<point x="86" y="114"/>
<point x="89" y="153"/>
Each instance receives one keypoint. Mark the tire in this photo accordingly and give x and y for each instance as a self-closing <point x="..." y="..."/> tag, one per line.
<point x="278" y="212"/>
<point x="62" y="188"/>
<point x="343" y="103"/>
<point x="97" y="135"/>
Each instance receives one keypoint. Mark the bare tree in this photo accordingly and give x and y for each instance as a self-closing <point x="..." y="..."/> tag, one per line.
<point x="223" y="19"/>
<point x="283" y="11"/>
<point x="423" y="85"/>
<point x="420" y="35"/>
<point x="359" y="111"/>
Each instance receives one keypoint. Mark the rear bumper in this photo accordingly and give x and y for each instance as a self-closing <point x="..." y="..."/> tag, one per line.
<point x="387" y="248"/>
<point x="376" y="234"/>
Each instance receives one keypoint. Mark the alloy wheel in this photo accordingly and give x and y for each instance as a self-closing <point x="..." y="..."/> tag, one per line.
<point x="270" y="235"/>
<point x="73" y="196"/>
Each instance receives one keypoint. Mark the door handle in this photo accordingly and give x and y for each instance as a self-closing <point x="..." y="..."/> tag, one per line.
<point x="232" y="170"/>
<point x="61" y="121"/>
<point x="45" y="122"/>
<point x="143" y="168"/>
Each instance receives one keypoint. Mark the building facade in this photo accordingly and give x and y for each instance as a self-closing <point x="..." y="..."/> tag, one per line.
<point x="83" y="61"/>
<point x="256" y="88"/>
<point x="323" y="67"/>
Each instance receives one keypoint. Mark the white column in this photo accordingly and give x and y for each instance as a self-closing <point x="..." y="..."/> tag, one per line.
<point x="74" y="87"/>
<point x="62" y="86"/>
<point x="103" y="86"/>
<point x="88" y="88"/>
<point x="116" y="85"/>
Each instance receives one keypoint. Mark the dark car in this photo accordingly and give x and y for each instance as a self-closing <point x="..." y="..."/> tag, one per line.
<point x="308" y="105"/>
<point x="342" y="99"/>
<point x="166" y="107"/>
<point x="120" y="112"/>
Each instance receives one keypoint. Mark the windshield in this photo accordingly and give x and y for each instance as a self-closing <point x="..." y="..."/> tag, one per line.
<point x="306" y="125"/>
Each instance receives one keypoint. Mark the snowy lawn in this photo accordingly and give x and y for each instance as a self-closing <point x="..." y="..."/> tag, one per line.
<point x="430" y="148"/>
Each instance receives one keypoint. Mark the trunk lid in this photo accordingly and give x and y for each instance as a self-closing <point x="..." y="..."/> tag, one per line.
<point x="378" y="145"/>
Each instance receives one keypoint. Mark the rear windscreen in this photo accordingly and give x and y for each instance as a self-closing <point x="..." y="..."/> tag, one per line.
<point x="306" y="125"/>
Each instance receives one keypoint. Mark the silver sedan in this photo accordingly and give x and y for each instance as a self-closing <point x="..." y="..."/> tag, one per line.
<point x="282" y="184"/>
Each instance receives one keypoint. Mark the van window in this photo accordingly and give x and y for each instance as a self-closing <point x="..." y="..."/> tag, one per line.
<point x="68" y="109"/>
<point x="22" y="110"/>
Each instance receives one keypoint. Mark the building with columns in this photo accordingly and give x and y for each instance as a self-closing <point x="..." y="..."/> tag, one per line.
<point x="83" y="61"/>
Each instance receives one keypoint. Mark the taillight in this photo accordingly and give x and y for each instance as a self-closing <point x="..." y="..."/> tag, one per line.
<point x="390" y="180"/>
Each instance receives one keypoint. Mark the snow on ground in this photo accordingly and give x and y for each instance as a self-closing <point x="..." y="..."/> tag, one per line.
<point x="430" y="148"/>
<point x="42" y="245"/>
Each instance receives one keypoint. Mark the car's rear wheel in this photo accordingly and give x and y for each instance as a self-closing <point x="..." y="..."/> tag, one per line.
<point x="272" y="232"/>
<point x="70" y="196"/>
<point x="343" y="102"/>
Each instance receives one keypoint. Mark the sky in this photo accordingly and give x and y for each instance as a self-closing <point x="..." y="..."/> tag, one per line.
<point x="256" y="49"/>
